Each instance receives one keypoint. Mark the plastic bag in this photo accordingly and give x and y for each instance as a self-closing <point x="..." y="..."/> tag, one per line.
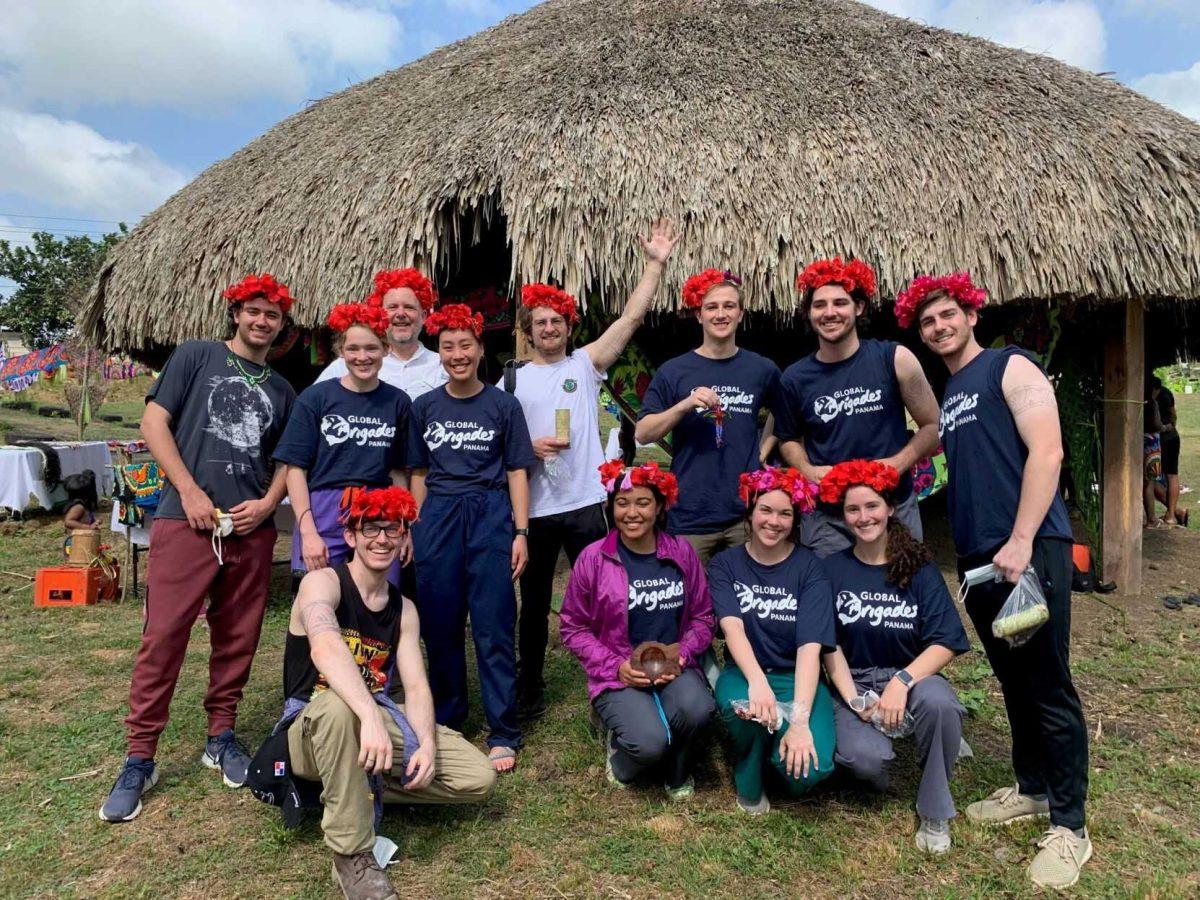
<point x="869" y="699"/>
<point x="785" y="713"/>
<point x="1024" y="612"/>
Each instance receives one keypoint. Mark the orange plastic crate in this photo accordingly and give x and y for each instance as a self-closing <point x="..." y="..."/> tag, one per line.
<point x="67" y="585"/>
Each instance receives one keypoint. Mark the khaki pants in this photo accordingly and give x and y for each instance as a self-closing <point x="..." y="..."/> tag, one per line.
<point x="323" y="742"/>
<point x="709" y="545"/>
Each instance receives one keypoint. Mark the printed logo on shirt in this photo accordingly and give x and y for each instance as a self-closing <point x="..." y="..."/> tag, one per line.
<point x="570" y="385"/>
<point x="370" y="655"/>
<point x="239" y="413"/>
<point x="849" y="402"/>
<point x="655" y="594"/>
<point x="766" y="601"/>
<point x="876" y="608"/>
<point x="733" y="399"/>
<point x="459" y="436"/>
<point x="956" y="411"/>
<point x="365" y="431"/>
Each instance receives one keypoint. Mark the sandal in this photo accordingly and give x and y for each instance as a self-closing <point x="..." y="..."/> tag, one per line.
<point x="500" y="755"/>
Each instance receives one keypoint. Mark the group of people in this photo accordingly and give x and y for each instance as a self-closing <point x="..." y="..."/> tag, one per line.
<point x="1160" y="478"/>
<point x="422" y="495"/>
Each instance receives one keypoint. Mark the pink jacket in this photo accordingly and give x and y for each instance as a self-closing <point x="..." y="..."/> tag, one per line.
<point x="595" y="613"/>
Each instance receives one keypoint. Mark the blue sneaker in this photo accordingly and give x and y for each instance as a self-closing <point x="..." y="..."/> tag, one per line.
<point x="226" y="753"/>
<point x="125" y="799"/>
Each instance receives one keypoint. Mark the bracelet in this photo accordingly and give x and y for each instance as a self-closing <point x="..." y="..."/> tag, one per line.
<point x="307" y="512"/>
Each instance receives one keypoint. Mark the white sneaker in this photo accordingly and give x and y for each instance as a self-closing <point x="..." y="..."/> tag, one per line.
<point x="1007" y="805"/>
<point x="759" y="808"/>
<point x="933" y="835"/>
<point x="1061" y="855"/>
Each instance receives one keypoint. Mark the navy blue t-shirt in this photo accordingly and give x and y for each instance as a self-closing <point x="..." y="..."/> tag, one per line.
<point x="985" y="458"/>
<point x="708" y="474"/>
<point x="468" y="444"/>
<point x="851" y="409"/>
<point x="878" y="624"/>
<point x="782" y="607"/>
<point x="342" y="438"/>
<point x="655" y="596"/>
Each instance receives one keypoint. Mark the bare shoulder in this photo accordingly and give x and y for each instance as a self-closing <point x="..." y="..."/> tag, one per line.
<point x="1026" y="386"/>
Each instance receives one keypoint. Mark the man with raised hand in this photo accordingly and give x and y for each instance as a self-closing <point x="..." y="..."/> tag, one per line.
<point x="847" y="399"/>
<point x="709" y="401"/>
<point x="407" y="297"/>
<point x="350" y="632"/>
<point x="566" y="500"/>
<point x="212" y="420"/>
<point x="999" y="425"/>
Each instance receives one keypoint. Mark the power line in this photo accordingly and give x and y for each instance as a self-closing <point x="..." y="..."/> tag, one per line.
<point x="19" y="229"/>
<point x="61" y="218"/>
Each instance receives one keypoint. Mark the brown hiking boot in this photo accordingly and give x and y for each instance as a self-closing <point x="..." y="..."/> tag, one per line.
<point x="360" y="877"/>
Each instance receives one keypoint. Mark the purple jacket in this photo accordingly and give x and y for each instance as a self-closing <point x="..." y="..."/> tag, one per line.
<point x="595" y="613"/>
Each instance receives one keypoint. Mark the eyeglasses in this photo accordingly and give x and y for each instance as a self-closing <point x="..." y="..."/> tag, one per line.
<point x="372" y="530"/>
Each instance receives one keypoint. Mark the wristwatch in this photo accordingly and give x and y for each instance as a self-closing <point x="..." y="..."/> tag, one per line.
<point x="521" y="532"/>
<point x="904" y="678"/>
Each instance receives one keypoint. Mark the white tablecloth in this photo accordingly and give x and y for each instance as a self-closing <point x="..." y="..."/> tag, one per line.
<point x="21" y="482"/>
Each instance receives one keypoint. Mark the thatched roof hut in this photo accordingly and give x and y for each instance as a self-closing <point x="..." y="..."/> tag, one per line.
<point x="775" y="130"/>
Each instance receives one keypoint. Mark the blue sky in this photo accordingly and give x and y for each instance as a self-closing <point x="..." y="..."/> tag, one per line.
<point x="106" y="108"/>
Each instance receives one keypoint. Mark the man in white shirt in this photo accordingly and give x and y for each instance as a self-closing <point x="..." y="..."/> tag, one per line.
<point x="407" y="297"/>
<point x="566" y="499"/>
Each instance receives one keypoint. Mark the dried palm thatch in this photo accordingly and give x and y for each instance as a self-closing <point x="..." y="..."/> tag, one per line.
<point x="774" y="130"/>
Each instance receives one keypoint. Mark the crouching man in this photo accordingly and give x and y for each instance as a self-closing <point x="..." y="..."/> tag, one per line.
<point x="350" y="632"/>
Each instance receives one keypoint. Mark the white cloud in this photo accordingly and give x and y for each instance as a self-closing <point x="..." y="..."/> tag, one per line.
<point x="184" y="53"/>
<point x="1069" y="30"/>
<point x="68" y="164"/>
<point x="1179" y="90"/>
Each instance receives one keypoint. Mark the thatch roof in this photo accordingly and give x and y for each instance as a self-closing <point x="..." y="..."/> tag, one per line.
<point x="776" y="130"/>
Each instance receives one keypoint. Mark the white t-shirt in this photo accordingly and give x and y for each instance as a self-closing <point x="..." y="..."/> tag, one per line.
<point x="420" y="374"/>
<point x="571" y="383"/>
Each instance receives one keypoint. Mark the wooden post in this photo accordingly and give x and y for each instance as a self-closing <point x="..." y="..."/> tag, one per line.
<point x="1124" y="374"/>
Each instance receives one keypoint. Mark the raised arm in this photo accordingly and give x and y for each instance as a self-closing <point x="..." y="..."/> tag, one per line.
<point x="418" y="698"/>
<point x="156" y="429"/>
<point x="607" y="349"/>
<point x="921" y="405"/>
<point x="316" y="617"/>
<point x="1030" y="399"/>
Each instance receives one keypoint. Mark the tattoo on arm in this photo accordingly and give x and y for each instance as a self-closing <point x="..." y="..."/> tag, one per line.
<point x="318" y="617"/>
<point x="1031" y="396"/>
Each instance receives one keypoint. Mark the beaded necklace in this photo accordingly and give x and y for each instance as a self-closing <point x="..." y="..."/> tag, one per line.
<point x="250" y="378"/>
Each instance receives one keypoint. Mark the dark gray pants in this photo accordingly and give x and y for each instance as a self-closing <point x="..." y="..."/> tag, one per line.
<point x="868" y="754"/>
<point x="641" y="738"/>
<point x="826" y="534"/>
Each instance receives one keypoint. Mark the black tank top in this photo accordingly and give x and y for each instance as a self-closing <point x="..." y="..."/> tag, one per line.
<point x="371" y="636"/>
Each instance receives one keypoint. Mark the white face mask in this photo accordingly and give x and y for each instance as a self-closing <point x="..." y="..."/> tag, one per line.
<point x="224" y="529"/>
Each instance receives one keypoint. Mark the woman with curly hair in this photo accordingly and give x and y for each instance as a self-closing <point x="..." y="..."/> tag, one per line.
<point x="634" y="597"/>
<point x="775" y="607"/>
<point x="469" y="450"/>
<point x="897" y="628"/>
<point x="345" y="433"/>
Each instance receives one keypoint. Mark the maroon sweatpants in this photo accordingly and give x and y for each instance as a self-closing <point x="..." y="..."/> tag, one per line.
<point x="183" y="569"/>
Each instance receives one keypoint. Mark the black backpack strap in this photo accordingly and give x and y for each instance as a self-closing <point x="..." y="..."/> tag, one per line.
<point x="510" y="374"/>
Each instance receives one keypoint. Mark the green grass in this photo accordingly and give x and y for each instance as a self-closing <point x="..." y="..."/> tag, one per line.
<point x="555" y="829"/>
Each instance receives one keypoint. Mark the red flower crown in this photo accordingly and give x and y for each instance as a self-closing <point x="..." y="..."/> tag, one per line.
<point x="616" y="476"/>
<point x="454" y="317"/>
<point x="390" y="279"/>
<point x="853" y="275"/>
<point x="751" y="485"/>
<point x="342" y="316"/>
<point x="697" y="287"/>
<point x="264" y="286"/>
<point x="957" y="284"/>
<point x="392" y="504"/>
<point x="878" y="476"/>
<point x="535" y="295"/>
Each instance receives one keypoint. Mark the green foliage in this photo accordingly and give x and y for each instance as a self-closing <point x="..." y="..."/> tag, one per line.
<point x="1078" y="387"/>
<point x="51" y="275"/>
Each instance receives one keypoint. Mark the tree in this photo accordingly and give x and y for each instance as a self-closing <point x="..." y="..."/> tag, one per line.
<point x="50" y="275"/>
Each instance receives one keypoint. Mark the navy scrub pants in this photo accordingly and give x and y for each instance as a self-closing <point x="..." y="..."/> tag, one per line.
<point x="463" y="550"/>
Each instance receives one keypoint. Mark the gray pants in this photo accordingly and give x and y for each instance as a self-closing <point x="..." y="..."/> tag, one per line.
<point x="641" y="738"/>
<point x="868" y="754"/>
<point x="826" y="534"/>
